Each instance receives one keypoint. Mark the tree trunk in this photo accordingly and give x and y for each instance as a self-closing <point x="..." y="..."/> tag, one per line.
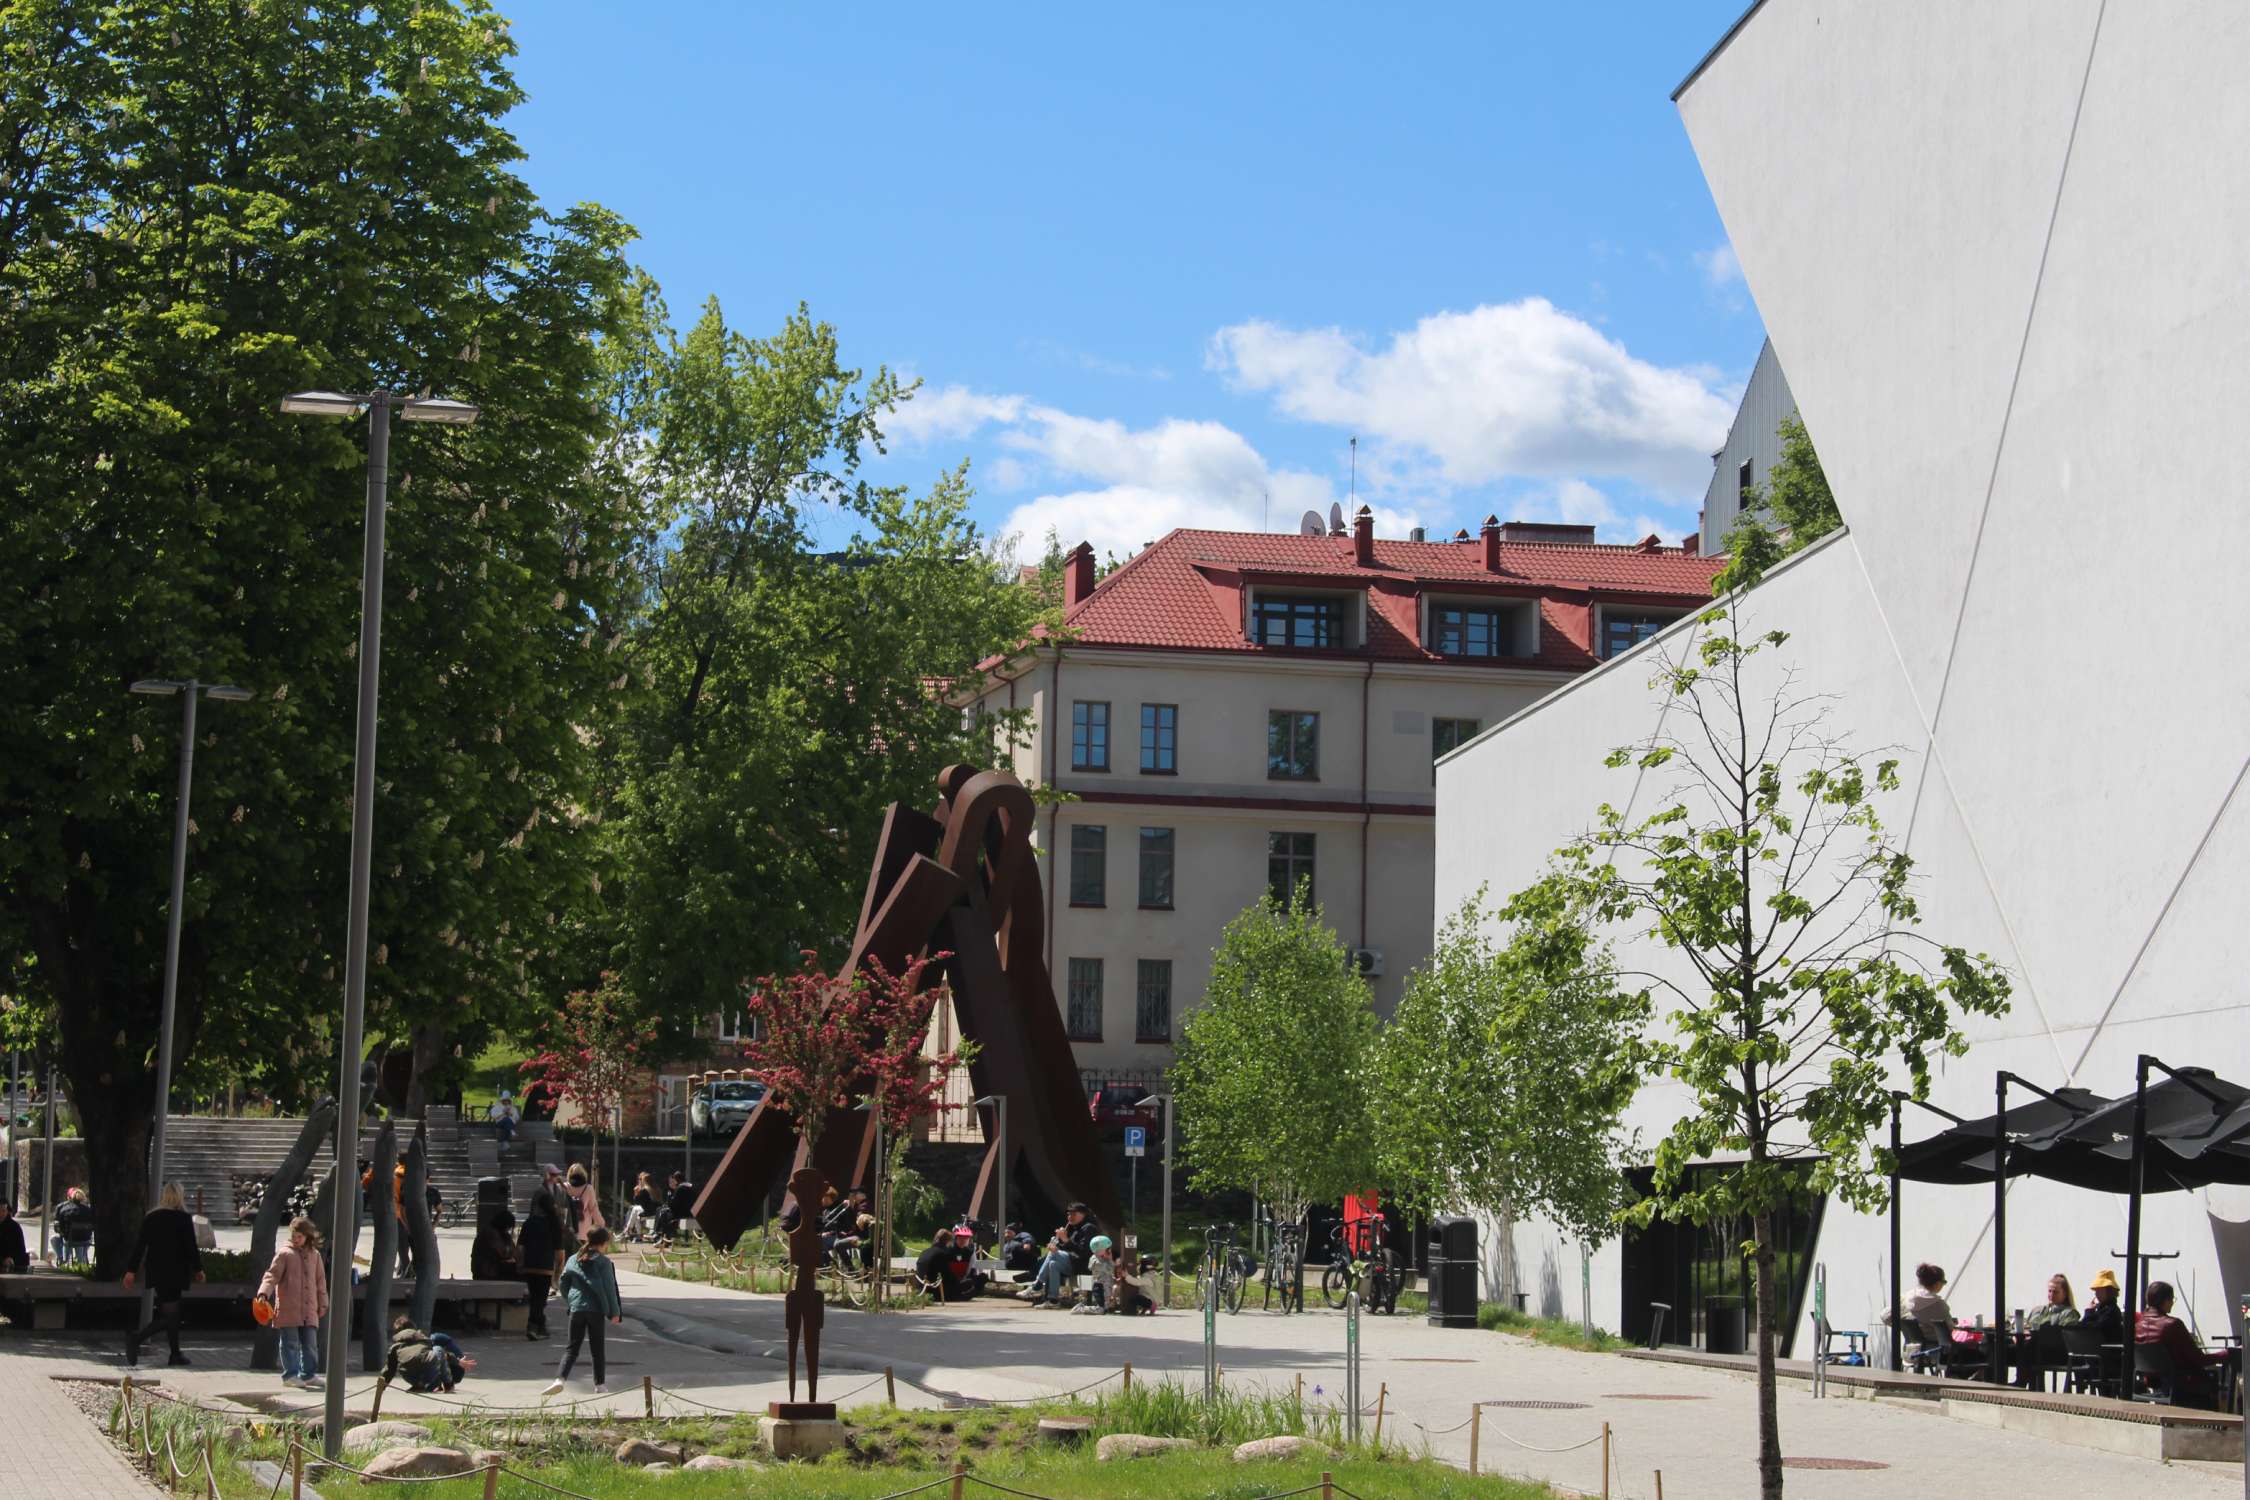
<point x="420" y="1232"/>
<point x="265" y="1343"/>
<point x="382" y="1255"/>
<point x="428" y="1054"/>
<point x="1769" y="1416"/>
<point x="116" y="1176"/>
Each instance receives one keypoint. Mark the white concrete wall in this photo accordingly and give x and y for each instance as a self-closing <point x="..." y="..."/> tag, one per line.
<point x="1998" y="251"/>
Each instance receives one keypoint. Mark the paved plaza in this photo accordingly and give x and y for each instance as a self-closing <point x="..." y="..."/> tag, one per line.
<point x="704" y="1348"/>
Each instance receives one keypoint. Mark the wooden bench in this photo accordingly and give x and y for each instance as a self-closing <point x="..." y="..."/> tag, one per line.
<point x="504" y="1304"/>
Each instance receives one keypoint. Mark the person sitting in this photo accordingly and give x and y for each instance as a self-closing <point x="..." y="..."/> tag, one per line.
<point x="1019" y="1252"/>
<point x="640" y="1216"/>
<point x="679" y="1205"/>
<point x="504" y="1118"/>
<point x="2060" y="1310"/>
<point x="1129" y="1294"/>
<point x="1068" y="1253"/>
<point x="493" y="1257"/>
<point x="1101" y="1270"/>
<point x="1926" y="1314"/>
<point x="948" y="1267"/>
<point x="74" y="1228"/>
<point x="425" y="1361"/>
<point x="2192" y="1382"/>
<point x="2105" y="1317"/>
<point x="843" y="1226"/>
<point x="15" y="1256"/>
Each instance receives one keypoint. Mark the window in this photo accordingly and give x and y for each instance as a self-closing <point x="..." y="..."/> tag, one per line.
<point x="1160" y="739"/>
<point x="1448" y="735"/>
<point x="1460" y="630"/>
<point x="1292" y="746"/>
<point x="1289" y="864"/>
<point x="1083" y="1019"/>
<point x="1089" y="736"/>
<point x="1156" y="869"/>
<point x="1742" y="484"/>
<point x="1296" y="620"/>
<point x="1152" y="1001"/>
<point x="1089" y="865"/>
<point x="1623" y="629"/>
<point x="737" y="1026"/>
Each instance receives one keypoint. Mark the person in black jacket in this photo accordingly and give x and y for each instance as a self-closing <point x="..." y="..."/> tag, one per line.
<point x="1069" y="1253"/>
<point x="539" y="1251"/>
<point x="13" y="1255"/>
<point x="493" y="1256"/>
<point x="74" y="1228"/>
<point x="166" y="1253"/>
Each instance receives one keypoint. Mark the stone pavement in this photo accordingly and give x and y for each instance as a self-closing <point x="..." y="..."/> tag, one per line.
<point x="72" y="1458"/>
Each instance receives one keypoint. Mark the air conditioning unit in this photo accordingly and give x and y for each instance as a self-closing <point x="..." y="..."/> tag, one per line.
<point x="1368" y="962"/>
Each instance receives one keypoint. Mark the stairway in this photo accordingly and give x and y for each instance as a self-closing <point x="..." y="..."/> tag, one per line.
<point x="204" y="1153"/>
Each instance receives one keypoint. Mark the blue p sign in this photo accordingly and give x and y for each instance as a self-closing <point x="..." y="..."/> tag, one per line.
<point x="1136" y="1140"/>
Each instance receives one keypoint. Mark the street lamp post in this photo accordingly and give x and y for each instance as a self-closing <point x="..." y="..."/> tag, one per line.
<point x="999" y="1103"/>
<point x="1165" y="1249"/>
<point x="189" y="691"/>
<point x="380" y="407"/>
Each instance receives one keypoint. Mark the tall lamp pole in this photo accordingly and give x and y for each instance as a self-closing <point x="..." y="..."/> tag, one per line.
<point x="188" y="691"/>
<point x="380" y="406"/>
<point x="1166" y="1249"/>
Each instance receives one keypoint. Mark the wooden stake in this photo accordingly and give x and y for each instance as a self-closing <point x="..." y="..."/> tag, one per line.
<point x="1659" y="1484"/>
<point x="648" y="1400"/>
<point x="296" y="1472"/>
<point x="125" y="1410"/>
<point x="1128" y="1377"/>
<point x="1300" y="1390"/>
<point x="1327" y="1485"/>
<point x="1476" y="1431"/>
<point x="1382" y="1393"/>
<point x="382" y="1384"/>
<point x="492" y="1479"/>
<point x="958" y="1471"/>
<point x="1605" y="1461"/>
<point x="890" y="1386"/>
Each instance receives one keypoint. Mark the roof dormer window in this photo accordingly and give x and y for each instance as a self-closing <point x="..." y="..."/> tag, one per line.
<point x="1481" y="629"/>
<point x="1308" y="620"/>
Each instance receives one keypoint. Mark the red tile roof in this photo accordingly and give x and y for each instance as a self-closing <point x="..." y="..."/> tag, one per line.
<point x="1184" y="592"/>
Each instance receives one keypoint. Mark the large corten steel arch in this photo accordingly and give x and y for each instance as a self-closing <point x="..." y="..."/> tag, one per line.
<point x="961" y="881"/>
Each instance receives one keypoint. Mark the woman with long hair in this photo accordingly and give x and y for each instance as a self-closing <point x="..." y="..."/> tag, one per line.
<point x="585" y="1203"/>
<point x="640" y="1215"/>
<point x="540" y="1248"/>
<point x="166" y="1253"/>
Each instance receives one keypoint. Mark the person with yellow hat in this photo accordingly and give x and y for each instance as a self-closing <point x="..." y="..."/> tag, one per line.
<point x="2106" y="1317"/>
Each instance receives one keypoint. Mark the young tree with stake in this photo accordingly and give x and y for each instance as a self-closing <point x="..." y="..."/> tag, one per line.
<point x="1802" y="987"/>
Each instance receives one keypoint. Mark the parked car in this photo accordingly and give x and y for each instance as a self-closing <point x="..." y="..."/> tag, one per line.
<point x="725" y="1106"/>
<point x="1120" y="1104"/>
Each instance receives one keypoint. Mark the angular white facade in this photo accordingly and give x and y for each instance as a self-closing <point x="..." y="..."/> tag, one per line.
<point x="1999" y="249"/>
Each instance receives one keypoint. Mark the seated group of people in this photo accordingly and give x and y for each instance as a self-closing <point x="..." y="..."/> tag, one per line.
<point x="1078" y="1248"/>
<point x="2193" y="1380"/>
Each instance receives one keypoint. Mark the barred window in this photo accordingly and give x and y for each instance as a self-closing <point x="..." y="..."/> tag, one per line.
<point x="1083" y="1019"/>
<point x="1152" y="1001"/>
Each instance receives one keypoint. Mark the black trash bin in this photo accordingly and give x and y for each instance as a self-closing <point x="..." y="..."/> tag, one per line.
<point x="492" y="1195"/>
<point x="1726" y="1326"/>
<point x="1453" y="1272"/>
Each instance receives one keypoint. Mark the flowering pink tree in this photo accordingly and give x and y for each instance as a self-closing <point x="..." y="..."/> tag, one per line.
<point x="594" y="1048"/>
<point x="826" y="1041"/>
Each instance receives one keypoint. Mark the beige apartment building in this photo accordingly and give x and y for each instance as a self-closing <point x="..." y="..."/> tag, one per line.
<point x="1235" y="712"/>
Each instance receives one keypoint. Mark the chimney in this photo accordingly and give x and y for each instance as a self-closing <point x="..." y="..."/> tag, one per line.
<point x="1491" y="535"/>
<point x="1691" y="544"/>
<point x="1078" y="574"/>
<point x="1363" y="537"/>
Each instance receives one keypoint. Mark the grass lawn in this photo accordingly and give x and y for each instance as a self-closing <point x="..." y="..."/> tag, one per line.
<point x="893" y="1450"/>
<point x="499" y="1066"/>
<point x="1558" y="1333"/>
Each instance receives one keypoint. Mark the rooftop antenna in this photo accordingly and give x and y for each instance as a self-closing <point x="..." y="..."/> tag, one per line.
<point x="1265" y="516"/>
<point x="1355" y="468"/>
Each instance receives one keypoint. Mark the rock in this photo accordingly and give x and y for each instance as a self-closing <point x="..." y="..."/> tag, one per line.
<point x="369" y="1436"/>
<point x="660" y="1468"/>
<point x="807" y="1438"/>
<point x="714" y="1461"/>
<point x="418" y="1463"/>
<point x="643" y="1452"/>
<point x="1134" y="1445"/>
<point x="1065" y="1429"/>
<point x="1278" y="1447"/>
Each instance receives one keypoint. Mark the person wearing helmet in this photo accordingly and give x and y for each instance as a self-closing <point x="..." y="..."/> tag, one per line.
<point x="1101" y="1266"/>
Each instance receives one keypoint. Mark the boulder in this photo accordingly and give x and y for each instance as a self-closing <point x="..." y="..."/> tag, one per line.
<point x="369" y="1436"/>
<point x="1134" y="1445"/>
<point x="642" y="1452"/>
<point x="418" y="1463"/>
<point x="1278" y="1447"/>
<point x="714" y="1461"/>
<point x="660" y="1468"/>
<point x="1065" y="1429"/>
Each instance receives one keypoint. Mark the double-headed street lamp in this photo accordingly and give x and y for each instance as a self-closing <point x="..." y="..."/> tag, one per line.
<point x="188" y="692"/>
<point x="380" y="406"/>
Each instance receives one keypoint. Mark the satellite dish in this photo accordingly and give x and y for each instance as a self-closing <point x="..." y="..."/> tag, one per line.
<point x="1335" y="520"/>
<point x="1311" y="525"/>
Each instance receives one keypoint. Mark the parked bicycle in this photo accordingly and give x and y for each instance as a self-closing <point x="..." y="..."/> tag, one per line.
<point x="1285" y="1263"/>
<point x="1227" y="1265"/>
<point x="1360" y="1259"/>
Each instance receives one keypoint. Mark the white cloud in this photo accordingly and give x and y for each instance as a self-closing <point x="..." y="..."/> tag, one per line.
<point x="1719" y="266"/>
<point x="1513" y="390"/>
<point x="1581" y="504"/>
<point x="935" y="413"/>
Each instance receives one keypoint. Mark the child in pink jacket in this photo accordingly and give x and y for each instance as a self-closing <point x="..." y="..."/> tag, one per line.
<point x="296" y="1287"/>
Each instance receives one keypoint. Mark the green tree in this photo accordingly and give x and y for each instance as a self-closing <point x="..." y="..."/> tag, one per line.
<point x="1800" y="983"/>
<point x="204" y="208"/>
<point x="780" y="697"/>
<point x="1505" y="1074"/>
<point x="1274" y="1071"/>
<point x="1796" y="495"/>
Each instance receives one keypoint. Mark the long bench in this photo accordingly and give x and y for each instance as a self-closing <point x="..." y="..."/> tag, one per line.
<point x="504" y="1304"/>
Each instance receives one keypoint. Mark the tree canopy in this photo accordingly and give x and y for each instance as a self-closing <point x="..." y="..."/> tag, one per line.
<point x="1795" y="495"/>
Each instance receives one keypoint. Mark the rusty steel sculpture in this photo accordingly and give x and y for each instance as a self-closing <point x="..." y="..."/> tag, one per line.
<point x="802" y="1309"/>
<point x="962" y="881"/>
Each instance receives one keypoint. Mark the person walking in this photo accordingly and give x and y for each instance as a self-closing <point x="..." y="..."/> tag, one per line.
<point x="166" y="1253"/>
<point x="295" y="1286"/>
<point x="589" y="1287"/>
<point x="585" y="1206"/>
<point x="539" y="1255"/>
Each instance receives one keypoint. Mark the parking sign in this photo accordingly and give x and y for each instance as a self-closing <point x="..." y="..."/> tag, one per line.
<point x="1136" y="1140"/>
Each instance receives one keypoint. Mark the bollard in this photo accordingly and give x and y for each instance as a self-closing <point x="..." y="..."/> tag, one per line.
<point x="890" y="1386"/>
<point x="648" y="1396"/>
<point x="1476" y="1430"/>
<point x="1605" y="1461"/>
<point x="492" y="1480"/>
<point x="958" y="1471"/>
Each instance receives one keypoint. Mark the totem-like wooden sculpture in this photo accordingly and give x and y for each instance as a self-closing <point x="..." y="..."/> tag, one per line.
<point x="802" y="1308"/>
<point x="963" y="881"/>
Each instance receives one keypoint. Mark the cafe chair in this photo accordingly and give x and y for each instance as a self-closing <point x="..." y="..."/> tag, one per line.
<point x="2153" y="1363"/>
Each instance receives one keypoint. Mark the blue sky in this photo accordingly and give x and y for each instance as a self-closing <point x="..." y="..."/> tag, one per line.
<point x="1157" y="265"/>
